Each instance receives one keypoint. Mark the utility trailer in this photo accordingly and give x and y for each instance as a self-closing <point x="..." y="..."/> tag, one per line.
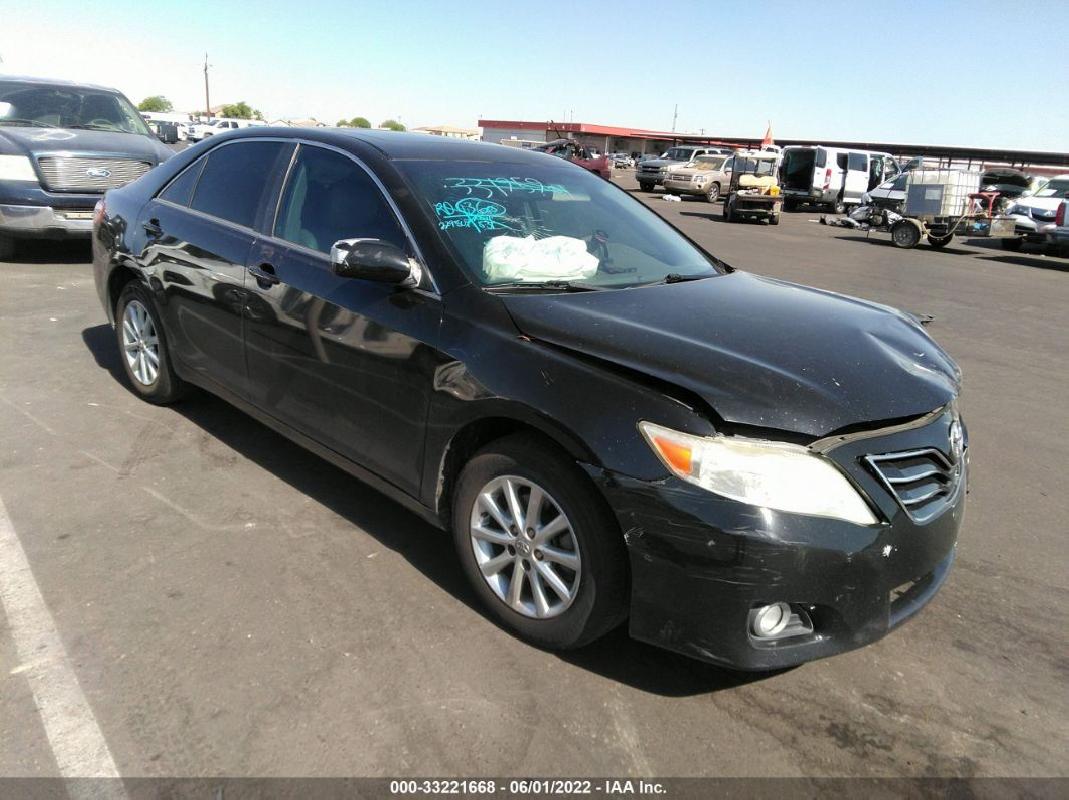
<point x="939" y="204"/>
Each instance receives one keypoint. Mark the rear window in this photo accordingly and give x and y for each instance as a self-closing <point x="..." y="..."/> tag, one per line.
<point x="233" y="180"/>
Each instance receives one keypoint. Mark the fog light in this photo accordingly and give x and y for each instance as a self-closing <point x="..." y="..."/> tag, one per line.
<point x="771" y="620"/>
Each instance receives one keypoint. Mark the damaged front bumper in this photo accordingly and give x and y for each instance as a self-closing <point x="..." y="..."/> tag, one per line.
<point x="701" y="564"/>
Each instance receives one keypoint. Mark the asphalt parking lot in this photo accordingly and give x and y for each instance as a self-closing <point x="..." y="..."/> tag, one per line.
<point x="232" y="605"/>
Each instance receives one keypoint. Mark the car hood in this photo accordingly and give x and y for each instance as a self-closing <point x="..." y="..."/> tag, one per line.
<point x="661" y="162"/>
<point x="62" y="140"/>
<point x="759" y="351"/>
<point x="1043" y="203"/>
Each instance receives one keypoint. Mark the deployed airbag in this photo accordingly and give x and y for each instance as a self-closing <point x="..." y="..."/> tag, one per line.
<point x="515" y="258"/>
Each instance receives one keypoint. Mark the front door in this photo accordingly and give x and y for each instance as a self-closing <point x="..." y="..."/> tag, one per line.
<point x="342" y="360"/>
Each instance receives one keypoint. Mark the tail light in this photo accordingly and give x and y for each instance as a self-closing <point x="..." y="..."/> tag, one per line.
<point x="98" y="212"/>
<point x="1059" y="218"/>
<point x="827" y="179"/>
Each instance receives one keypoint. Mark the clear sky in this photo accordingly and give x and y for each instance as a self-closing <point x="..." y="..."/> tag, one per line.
<point x="893" y="71"/>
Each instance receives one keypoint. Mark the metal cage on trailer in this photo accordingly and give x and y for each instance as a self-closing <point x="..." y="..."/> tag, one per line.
<point x="942" y="203"/>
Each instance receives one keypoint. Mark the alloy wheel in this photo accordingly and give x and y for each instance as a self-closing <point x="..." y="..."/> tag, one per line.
<point x="525" y="547"/>
<point x="141" y="343"/>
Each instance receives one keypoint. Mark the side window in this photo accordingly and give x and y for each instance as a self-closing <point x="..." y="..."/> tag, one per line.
<point x="820" y="159"/>
<point x="841" y="160"/>
<point x="233" y="180"/>
<point x="180" y="190"/>
<point x="329" y="197"/>
<point x="858" y="162"/>
<point x="729" y="164"/>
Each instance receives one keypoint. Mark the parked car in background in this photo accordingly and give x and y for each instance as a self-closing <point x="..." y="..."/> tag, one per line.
<point x="563" y="366"/>
<point x="580" y="154"/>
<point x="651" y="173"/>
<point x="622" y="160"/>
<point x="204" y="130"/>
<point x="707" y="176"/>
<point x="62" y="145"/>
<point x="182" y="122"/>
<point x="1059" y="237"/>
<point x="832" y="176"/>
<point x="1034" y="214"/>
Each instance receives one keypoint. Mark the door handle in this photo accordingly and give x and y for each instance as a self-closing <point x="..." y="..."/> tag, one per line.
<point x="152" y="228"/>
<point x="265" y="276"/>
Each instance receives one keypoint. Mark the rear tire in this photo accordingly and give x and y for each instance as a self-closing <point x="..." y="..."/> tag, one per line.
<point x="728" y="212"/>
<point x="712" y="194"/>
<point x="774" y="219"/>
<point x="598" y="585"/>
<point x="7" y="248"/>
<point x="838" y="207"/>
<point x="1013" y="244"/>
<point x="143" y="347"/>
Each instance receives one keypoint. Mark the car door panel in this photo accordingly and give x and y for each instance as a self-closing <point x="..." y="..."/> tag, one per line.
<point x="200" y="265"/>
<point x="348" y="362"/>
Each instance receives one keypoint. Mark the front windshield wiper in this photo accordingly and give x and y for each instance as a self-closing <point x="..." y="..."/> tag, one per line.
<point x="90" y="127"/>
<point x="675" y="277"/>
<point x="20" y="121"/>
<point x="553" y="285"/>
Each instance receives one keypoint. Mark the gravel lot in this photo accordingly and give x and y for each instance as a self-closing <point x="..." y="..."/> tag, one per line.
<point x="232" y="605"/>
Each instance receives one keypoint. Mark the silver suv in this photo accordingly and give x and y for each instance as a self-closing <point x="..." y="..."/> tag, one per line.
<point x="651" y="173"/>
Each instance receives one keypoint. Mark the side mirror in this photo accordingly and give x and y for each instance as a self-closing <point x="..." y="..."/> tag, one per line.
<point x="374" y="260"/>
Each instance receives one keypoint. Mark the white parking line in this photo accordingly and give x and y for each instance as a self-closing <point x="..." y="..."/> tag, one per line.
<point x="77" y="743"/>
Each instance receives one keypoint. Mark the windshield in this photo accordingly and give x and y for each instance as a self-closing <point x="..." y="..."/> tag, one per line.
<point x="529" y="223"/>
<point x="1054" y="188"/>
<point x="42" y="106"/>
<point x="755" y="166"/>
<point x="679" y="154"/>
<point x="709" y="162"/>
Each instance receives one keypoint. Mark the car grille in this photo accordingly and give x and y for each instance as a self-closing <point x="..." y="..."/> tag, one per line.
<point x="923" y="481"/>
<point x="84" y="173"/>
<point x="653" y="170"/>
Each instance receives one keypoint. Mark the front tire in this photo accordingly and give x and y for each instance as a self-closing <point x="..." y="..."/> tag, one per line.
<point x="143" y="347"/>
<point x="646" y="187"/>
<point x="538" y="544"/>
<point x="712" y="194"/>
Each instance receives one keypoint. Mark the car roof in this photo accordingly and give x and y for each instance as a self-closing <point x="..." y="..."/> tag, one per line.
<point x="55" y="82"/>
<point x="396" y="145"/>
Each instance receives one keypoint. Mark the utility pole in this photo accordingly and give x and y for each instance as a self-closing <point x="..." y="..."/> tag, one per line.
<point x="207" y="99"/>
<point x="675" y="115"/>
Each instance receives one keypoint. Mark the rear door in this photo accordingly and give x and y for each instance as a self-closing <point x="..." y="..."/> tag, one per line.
<point x="342" y="360"/>
<point x="200" y="229"/>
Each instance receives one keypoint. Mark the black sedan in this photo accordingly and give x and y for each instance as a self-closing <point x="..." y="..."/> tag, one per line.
<point x="612" y="423"/>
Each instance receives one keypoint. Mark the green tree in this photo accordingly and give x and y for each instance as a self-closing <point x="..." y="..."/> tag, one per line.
<point x="359" y="122"/>
<point x="157" y="103"/>
<point x="393" y="125"/>
<point x="240" y="110"/>
<point x="342" y="123"/>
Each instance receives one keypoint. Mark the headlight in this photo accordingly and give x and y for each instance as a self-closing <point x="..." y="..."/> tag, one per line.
<point x="777" y="475"/>
<point x="16" y="168"/>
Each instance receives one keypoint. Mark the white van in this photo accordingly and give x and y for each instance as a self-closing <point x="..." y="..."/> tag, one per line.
<point x="832" y="176"/>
